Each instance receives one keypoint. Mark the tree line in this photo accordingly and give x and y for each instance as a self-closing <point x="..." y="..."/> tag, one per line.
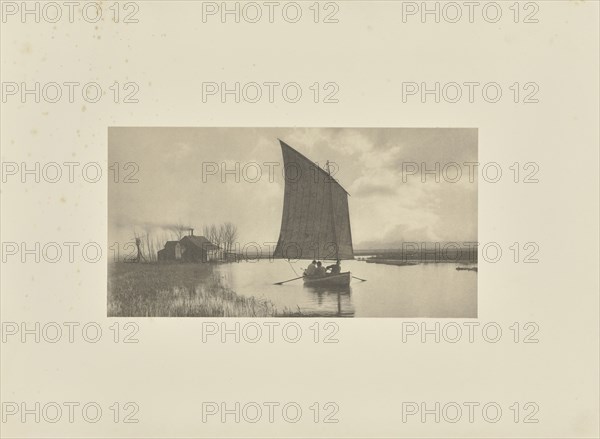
<point x="224" y="235"/>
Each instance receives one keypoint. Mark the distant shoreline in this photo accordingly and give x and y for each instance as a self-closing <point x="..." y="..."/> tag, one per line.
<point x="413" y="256"/>
<point x="402" y="263"/>
<point x="390" y="262"/>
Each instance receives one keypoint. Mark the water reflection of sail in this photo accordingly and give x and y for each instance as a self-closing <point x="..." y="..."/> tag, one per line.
<point x="315" y="223"/>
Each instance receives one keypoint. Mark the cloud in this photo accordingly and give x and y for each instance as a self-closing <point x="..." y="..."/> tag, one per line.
<point x="400" y="233"/>
<point x="365" y="188"/>
<point x="383" y="209"/>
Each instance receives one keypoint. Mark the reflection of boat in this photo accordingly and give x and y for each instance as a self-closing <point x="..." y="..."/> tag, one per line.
<point x="328" y="294"/>
<point x="340" y="279"/>
<point x="315" y="223"/>
<point x="466" y="268"/>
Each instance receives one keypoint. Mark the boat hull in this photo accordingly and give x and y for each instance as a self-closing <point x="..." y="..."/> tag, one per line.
<point x="341" y="279"/>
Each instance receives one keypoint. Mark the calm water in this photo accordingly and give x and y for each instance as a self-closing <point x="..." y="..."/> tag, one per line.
<point x="424" y="290"/>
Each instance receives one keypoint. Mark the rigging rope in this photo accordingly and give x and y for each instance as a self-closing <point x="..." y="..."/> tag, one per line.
<point x="292" y="268"/>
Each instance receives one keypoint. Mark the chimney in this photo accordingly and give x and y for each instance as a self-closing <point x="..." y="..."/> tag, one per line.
<point x="191" y="232"/>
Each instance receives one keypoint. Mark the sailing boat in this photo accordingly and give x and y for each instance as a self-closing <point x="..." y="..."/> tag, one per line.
<point x="316" y="222"/>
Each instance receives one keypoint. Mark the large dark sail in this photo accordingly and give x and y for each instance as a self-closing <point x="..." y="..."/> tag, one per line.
<point x="316" y="221"/>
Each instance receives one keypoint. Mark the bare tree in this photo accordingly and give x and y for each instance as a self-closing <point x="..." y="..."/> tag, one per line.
<point x="209" y="232"/>
<point x="137" y="241"/>
<point x="223" y="235"/>
<point x="157" y="244"/>
<point x="229" y="236"/>
<point x="214" y="233"/>
<point x="233" y="234"/>
<point x="141" y="253"/>
<point x="179" y="230"/>
<point x="148" y="248"/>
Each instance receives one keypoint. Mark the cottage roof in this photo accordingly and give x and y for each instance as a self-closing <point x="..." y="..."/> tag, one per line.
<point x="169" y="244"/>
<point x="200" y="241"/>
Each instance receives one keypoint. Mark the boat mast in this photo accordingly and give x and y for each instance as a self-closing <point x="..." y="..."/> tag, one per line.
<point x="337" y="256"/>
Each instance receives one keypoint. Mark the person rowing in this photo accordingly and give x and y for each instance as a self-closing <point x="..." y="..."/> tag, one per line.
<point x="320" y="271"/>
<point x="335" y="268"/>
<point x="311" y="269"/>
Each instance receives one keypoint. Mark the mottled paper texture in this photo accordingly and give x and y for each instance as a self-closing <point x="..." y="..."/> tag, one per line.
<point x="93" y="93"/>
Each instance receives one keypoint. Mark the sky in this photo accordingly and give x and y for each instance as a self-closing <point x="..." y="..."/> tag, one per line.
<point x="182" y="179"/>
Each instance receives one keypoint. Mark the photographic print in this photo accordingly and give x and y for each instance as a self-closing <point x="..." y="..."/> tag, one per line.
<point x="292" y="222"/>
<point x="299" y="219"/>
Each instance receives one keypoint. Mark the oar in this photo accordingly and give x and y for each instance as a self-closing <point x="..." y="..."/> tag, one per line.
<point x="289" y="280"/>
<point x="364" y="280"/>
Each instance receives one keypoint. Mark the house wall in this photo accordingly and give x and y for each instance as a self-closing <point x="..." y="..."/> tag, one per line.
<point x="214" y="255"/>
<point x="170" y="253"/>
<point x="189" y="251"/>
<point x="192" y="253"/>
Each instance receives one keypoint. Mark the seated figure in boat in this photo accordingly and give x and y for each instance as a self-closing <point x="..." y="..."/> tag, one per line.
<point x="320" y="271"/>
<point x="311" y="269"/>
<point x="335" y="268"/>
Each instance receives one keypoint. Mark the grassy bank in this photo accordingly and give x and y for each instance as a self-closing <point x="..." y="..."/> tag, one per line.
<point x="178" y="290"/>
